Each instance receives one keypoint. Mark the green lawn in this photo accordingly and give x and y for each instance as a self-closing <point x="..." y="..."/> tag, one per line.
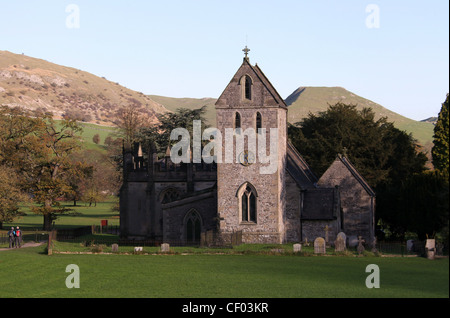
<point x="218" y="276"/>
<point x="246" y="271"/>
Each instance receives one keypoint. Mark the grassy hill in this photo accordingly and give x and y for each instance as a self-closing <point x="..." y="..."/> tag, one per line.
<point x="315" y="99"/>
<point x="38" y="84"/>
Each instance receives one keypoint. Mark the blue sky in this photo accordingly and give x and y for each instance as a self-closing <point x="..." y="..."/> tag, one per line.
<point x="192" y="48"/>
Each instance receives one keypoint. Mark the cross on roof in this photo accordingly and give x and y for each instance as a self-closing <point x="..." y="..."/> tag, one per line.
<point x="246" y="50"/>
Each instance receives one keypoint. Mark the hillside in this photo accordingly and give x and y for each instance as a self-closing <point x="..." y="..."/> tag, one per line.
<point x="316" y="99"/>
<point x="432" y="120"/>
<point x="37" y="84"/>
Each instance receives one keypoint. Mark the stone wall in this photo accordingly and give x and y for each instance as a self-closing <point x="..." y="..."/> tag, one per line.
<point x="174" y="215"/>
<point x="269" y="225"/>
<point x="292" y="212"/>
<point x="134" y="211"/>
<point x="312" y="229"/>
<point x="357" y="200"/>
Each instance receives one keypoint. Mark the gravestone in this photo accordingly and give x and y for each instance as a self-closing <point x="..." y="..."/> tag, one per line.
<point x="430" y="248"/>
<point x="360" y="245"/>
<point x="342" y="234"/>
<point x="319" y="246"/>
<point x="339" y="244"/>
<point x="115" y="248"/>
<point x="165" y="247"/>
<point x="297" y="248"/>
<point x="344" y="237"/>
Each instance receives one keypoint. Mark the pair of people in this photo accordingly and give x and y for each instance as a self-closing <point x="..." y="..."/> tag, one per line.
<point x="15" y="237"/>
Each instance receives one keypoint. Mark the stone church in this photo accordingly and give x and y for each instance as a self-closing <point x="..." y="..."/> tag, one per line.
<point x="177" y="202"/>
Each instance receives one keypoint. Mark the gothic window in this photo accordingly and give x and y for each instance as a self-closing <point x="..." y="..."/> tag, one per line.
<point x="258" y="121"/>
<point x="248" y="88"/>
<point x="193" y="226"/>
<point x="237" y="121"/>
<point x="169" y="195"/>
<point x="247" y="203"/>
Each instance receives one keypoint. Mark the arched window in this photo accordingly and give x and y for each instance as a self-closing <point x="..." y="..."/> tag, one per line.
<point x="193" y="226"/>
<point x="248" y="88"/>
<point x="247" y="202"/>
<point x="237" y="121"/>
<point x="258" y="121"/>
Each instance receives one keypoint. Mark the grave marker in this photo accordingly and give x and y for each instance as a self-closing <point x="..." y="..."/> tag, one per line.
<point x="319" y="246"/>
<point x="165" y="247"/>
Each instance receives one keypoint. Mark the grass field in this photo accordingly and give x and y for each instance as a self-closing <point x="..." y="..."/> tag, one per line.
<point x="218" y="276"/>
<point x="246" y="271"/>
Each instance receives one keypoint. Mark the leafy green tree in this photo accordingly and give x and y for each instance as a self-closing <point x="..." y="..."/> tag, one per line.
<point x="440" y="150"/>
<point x="37" y="151"/>
<point x="10" y="195"/>
<point x="380" y="152"/>
<point x="50" y="183"/>
<point x="386" y="156"/>
<point x="159" y="134"/>
<point x="418" y="205"/>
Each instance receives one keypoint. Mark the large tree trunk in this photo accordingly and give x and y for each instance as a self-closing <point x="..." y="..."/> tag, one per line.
<point x="48" y="222"/>
<point x="48" y="217"/>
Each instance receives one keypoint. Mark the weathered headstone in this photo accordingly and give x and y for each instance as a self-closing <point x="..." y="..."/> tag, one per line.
<point x="297" y="248"/>
<point x="430" y="248"/>
<point x="115" y="248"/>
<point x="319" y="246"/>
<point x="344" y="237"/>
<point x="165" y="247"/>
<point x="342" y="234"/>
<point x="360" y="245"/>
<point x="339" y="244"/>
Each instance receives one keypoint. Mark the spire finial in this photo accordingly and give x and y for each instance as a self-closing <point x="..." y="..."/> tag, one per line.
<point x="246" y="50"/>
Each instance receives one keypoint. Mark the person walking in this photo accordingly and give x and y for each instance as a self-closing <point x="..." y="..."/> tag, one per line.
<point x="18" y="237"/>
<point x="11" y="235"/>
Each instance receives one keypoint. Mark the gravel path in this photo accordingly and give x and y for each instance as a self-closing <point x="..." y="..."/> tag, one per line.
<point x="29" y="244"/>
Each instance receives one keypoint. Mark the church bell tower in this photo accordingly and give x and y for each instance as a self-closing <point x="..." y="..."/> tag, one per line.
<point x="251" y="117"/>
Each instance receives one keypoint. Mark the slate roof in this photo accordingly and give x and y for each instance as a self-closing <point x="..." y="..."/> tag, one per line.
<point x="356" y="174"/>
<point x="299" y="170"/>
